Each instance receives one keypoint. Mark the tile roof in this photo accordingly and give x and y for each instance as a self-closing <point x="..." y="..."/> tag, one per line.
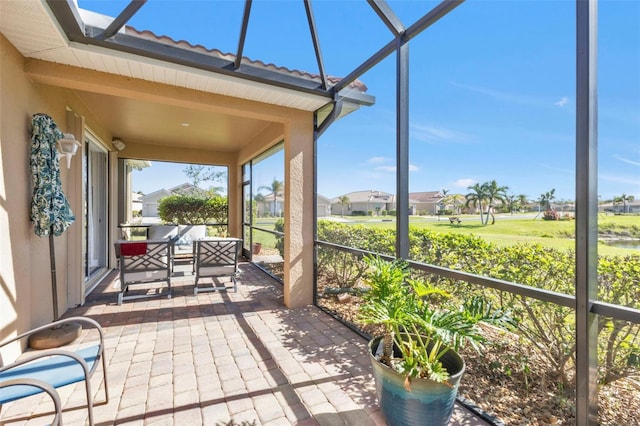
<point x="426" y="197"/>
<point x="183" y="44"/>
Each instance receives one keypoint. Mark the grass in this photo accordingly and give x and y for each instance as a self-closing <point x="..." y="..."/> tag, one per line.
<point x="508" y="229"/>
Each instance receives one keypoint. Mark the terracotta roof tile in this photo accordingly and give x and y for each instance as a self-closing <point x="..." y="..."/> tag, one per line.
<point x="183" y="44"/>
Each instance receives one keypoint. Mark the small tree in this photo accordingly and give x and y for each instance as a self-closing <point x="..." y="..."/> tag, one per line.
<point x="476" y="198"/>
<point x="624" y="198"/>
<point x="276" y="188"/>
<point x="493" y="192"/>
<point x="198" y="173"/>
<point x="546" y="198"/>
<point x="344" y="201"/>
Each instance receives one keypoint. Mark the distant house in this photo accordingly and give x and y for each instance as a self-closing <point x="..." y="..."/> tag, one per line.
<point x="428" y="202"/>
<point x="150" y="201"/>
<point x="364" y="201"/>
<point x="136" y="203"/>
<point x="266" y="207"/>
<point x="628" y="207"/>
<point x="323" y="206"/>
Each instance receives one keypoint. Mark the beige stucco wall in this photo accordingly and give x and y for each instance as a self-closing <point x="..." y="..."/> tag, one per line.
<point x="25" y="278"/>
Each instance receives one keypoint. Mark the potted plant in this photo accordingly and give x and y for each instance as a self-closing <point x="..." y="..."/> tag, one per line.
<point x="416" y="364"/>
<point x="256" y="248"/>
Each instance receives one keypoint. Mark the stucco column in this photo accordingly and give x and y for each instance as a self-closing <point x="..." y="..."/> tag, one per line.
<point x="234" y="199"/>
<point x="298" y="207"/>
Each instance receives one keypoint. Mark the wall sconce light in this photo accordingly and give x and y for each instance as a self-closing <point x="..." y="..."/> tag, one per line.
<point x="118" y="144"/>
<point x="67" y="147"/>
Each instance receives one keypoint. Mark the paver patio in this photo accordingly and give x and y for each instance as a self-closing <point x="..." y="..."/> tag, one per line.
<point x="220" y="358"/>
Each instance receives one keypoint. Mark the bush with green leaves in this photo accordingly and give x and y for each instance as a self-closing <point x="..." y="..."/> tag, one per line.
<point x="344" y="269"/>
<point x="279" y="227"/>
<point x="619" y="283"/>
<point x="549" y="327"/>
<point x="193" y="210"/>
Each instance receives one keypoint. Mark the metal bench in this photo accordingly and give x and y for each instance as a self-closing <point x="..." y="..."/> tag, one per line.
<point x="54" y="367"/>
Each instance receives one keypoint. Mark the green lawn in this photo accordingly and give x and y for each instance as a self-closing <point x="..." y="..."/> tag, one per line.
<point x="508" y="229"/>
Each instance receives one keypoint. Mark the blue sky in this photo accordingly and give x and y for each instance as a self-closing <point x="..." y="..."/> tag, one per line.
<point x="492" y="89"/>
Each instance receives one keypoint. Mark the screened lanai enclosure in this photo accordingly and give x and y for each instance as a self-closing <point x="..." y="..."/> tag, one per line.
<point x="371" y="109"/>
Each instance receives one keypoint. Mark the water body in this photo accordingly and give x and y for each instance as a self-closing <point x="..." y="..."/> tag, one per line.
<point x="626" y="244"/>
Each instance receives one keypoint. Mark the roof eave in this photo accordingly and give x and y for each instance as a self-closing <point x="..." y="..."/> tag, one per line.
<point x="77" y="31"/>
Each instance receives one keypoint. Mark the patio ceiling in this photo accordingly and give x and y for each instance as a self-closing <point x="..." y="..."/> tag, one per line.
<point x="48" y="33"/>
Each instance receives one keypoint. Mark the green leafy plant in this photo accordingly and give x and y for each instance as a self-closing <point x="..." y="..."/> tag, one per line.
<point x="193" y="210"/>
<point x="417" y="320"/>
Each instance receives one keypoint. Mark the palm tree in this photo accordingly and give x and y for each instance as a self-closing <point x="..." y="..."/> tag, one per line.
<point x="512" y="202"/>
<point x="522" y="200"/>
<point x="344" y="201"/>
<point x="476" y="198"/>
<point x="457" y="200"/>
<point x="493" y="192"/>
<point x="546" y="198"/>
<point x="276" y="189"/>
<point x="443" y="202"/>
<point x="623" y="199"/>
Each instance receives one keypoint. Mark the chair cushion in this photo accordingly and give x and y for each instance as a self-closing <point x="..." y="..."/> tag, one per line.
<point x="162" y="232"/>
<point x="57" y="370"/>
<point x="189" y="233"/>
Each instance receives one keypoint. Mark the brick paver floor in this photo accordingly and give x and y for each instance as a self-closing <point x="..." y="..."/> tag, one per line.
<point x="220" y="358"/>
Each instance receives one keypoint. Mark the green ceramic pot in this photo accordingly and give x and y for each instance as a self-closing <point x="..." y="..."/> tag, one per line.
<point x="428" y="403"/>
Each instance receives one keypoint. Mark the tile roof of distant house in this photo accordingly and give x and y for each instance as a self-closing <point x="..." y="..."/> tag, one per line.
<point x="426" y="197"/>
<point x="183" y="44"/>
<point x="369" y="196"/>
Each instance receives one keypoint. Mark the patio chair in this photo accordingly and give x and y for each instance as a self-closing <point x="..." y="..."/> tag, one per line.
<point x="55" y="367"/>
<point x="216" y="258"/>
<point x="25" y="384"/>
<point x="141" y="263"/>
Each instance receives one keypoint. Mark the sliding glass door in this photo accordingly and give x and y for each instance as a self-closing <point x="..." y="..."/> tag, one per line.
<point x="95" y="241"/>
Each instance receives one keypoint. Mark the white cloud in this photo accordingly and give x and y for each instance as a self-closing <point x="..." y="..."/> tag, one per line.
<point x="512" y="98"/>
<point x="378" y="160"/>
<point x="412" y="168"/>
<point x="386" y="168"/>
<point x="496" y="94"/>
<point x="626" y="160"/>
<point x="434" y="134"/>
<point x="464" y="183"/>
<point x="620" y="179"/>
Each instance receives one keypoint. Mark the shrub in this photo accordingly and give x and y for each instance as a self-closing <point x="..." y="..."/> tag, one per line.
<point x="186" y="209"/>
<point x="550" y="327"/>
<point x="370" y="213"/>
<point x="345" y="269"/>
<point x="279" y="227"/>
<point x="358" y="213"/>
<point x="551" y="215"/>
